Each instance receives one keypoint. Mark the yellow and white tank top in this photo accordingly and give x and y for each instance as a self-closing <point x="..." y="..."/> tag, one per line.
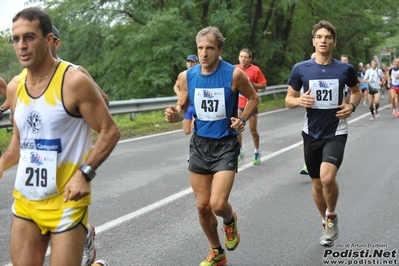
<point x="54" y="144"/>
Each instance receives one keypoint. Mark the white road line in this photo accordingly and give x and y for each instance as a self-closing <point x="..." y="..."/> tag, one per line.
<point x="130" y="216"/>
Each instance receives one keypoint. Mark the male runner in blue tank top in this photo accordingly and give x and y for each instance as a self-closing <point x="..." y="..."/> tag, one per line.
<point x="212" y="87"/>
<point x="325" y="130"/>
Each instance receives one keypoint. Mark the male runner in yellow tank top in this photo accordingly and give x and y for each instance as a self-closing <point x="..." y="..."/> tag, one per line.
<point x="55" y="107"/>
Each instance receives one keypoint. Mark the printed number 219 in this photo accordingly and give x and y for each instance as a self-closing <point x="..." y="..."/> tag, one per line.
<point x="36" y="177"/>
<point x="324" y="95"/>
<point x="210" y="105"/>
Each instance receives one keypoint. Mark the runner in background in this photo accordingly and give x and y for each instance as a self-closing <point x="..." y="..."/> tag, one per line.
<point x="258" y="81"/>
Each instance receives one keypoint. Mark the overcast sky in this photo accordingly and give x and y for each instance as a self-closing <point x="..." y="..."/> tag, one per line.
<point x="8" y="9"/>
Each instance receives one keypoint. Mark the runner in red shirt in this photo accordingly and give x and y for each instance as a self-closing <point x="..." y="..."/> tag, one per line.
<point x="258" y="81"/>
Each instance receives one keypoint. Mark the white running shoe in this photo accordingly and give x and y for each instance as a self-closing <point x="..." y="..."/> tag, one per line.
<point x="372" y="118"/>
<point x="330" y="232"/>
<point x="89" y="252"/>
<point x="100" y="263"/>
<point x="377" y="114"/>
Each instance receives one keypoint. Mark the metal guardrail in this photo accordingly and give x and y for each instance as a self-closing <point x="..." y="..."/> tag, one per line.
<point x="144" y="105"/>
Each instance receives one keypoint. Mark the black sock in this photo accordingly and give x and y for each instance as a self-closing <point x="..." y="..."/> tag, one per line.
<point x="372" y="110"/>
<point x="377" y="106"/>
<point x="220" y="249"/>
<point x="231" y="221"/>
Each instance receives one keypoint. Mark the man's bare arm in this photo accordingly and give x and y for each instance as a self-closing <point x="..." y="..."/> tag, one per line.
<point x="241" y="84"/>
<point x="103" y="95"/>
<point x="293" y="101"/>
<point x="176" y="113"/>
<point x="3" y="87"/>
<point x="176" y="87"/>
<point x="11" y="156"/>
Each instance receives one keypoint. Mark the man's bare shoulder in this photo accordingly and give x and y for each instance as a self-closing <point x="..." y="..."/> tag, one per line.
<point x="13" y="84"/>
<point x="75" y="79"/>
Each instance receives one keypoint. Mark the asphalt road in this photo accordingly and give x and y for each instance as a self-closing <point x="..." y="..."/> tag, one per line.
<point x="144" y="210"/>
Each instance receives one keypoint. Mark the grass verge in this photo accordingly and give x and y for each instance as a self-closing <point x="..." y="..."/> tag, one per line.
<point x="153" y="122"/>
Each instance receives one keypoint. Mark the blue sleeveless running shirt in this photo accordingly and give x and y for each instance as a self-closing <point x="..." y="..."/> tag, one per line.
<point x="213" y="100"/>
<point x="327" y="84"/>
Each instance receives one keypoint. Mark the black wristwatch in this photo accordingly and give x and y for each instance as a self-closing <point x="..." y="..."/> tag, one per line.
<point x="243" y="121"/>
<point x="88" y="172"/>
<point x="354" y="107"/>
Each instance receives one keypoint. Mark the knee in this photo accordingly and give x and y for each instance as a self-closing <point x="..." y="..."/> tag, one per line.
<point x="318" y="188"/>
<point x="327" y="181"/>
<point x="218" y="206"/>
<point x="254" y="132"/>
<point x="204" y="209"/>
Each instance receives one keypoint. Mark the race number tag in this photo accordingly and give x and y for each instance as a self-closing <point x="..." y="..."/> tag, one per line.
<point x="395" y="79"/>
<point x="36" y="174"/>
<point x="209" y="104"/>
<point x="325" y="92"/>
<point x="374" y="81"/>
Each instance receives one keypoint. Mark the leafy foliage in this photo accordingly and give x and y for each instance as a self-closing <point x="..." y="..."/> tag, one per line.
<point x="136" y="48"/>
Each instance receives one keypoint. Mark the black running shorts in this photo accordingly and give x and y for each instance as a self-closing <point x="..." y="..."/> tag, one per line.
<point x="209" y="156"/>
<point x="317" y="151"/>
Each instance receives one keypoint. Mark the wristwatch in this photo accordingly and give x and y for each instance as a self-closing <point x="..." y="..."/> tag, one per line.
<point x="243" y="121"/>
<point x="2" y="109"/>
<point x="88" y="172"/>
<point x="354" y="107"/>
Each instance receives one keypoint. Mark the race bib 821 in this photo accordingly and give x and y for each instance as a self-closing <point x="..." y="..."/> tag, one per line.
<point x="325" y="92"/>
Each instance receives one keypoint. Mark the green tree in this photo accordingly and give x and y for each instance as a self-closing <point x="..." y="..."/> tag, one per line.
<point x="136" y="48"/>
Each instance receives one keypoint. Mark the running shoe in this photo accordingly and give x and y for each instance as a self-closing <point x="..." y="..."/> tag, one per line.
<point x="372" y="118"/>
<point x="394" y="112"/>
<point x="304" y="170"/>
<point x="257" y="156"/>
<point x="100" y="263"/>
<point x="240" y="156"/>
<point x="215" y="258"/>
<point x="232" y="236"/>
<point x="330" y="232"/>
<point x="89" y="252"/>
<point x="377" y="114"/>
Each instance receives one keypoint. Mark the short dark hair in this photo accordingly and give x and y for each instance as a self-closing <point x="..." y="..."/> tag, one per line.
<point x="33" y="13"/>
<point x="213" y="31"/>
<point x="322" y="24"/>
<point x="246" y="50"/>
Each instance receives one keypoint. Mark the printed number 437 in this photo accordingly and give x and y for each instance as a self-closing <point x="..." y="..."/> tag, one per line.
<point x="210" y="105"/>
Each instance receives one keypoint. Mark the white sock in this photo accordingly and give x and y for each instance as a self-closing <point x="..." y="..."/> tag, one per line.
<point x="256" y="151"/>
<point x="327" y="213"/>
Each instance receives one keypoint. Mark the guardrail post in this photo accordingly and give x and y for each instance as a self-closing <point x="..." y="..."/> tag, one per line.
<point x="132" y="116"/>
